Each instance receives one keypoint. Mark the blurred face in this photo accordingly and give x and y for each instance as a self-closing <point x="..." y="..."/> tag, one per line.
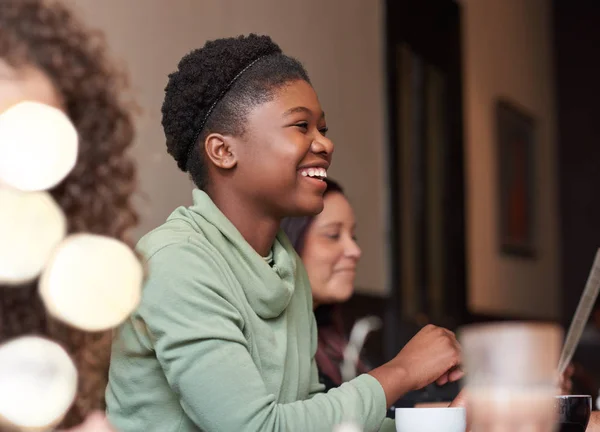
<point x="27" y="83"/>
<point x="284" y="154"/>
<point x="30" y="84"/>
<point x="330" y="252"/>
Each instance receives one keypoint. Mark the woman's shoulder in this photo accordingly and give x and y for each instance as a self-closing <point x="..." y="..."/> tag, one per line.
<point x="179" y="259"/>
<point x="173" y="240"/>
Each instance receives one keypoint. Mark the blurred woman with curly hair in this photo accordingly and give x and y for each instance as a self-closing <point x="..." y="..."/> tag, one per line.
<point x="48" y="56"/>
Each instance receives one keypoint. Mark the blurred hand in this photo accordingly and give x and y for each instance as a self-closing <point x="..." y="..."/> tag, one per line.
<point x="433" y="354"/>
<point x="459" y="401"/>
<point x="95" y="422"/>
<point x="594" y="424"/>
<point x="565" y="383"/>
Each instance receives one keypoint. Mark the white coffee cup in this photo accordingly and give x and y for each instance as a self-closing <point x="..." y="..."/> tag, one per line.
<point x="431" y="419"/>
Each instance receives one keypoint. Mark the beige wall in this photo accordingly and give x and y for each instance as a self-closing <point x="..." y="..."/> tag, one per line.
<point x="341" y="44"/>
<point x="507" y="53"/>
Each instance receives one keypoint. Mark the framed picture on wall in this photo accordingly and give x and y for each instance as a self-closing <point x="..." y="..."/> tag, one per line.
<point x="515" y="135"/>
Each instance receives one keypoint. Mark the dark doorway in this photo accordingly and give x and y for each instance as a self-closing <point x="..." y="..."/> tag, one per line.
<point x="426" y="168"/>
<point x="425" y="162"/>
<point x="576" y="39"/>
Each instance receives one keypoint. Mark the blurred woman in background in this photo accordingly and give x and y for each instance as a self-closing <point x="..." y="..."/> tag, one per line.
<point x="48" y="56"/>
<point x="327" y="245"/>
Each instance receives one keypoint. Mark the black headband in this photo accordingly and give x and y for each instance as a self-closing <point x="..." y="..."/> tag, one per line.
<point x="214" y="104"/>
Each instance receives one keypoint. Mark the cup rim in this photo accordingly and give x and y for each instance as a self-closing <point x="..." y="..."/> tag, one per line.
<point x="573" y="396"/>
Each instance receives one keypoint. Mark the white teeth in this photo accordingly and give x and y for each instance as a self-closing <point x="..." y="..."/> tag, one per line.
<point x="320" y="173"/>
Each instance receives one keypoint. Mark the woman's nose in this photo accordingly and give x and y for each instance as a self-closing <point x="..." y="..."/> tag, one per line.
<point x="323" y="146"/>
<point x="352" y="250"/>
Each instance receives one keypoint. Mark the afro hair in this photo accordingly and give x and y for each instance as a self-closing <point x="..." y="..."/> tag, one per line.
<point x="213" y="90"/>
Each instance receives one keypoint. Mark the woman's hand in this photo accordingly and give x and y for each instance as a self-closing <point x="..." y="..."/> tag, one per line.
<point x="594" y="423"/>
<point x="565" y="383"/>
<point x="433" y="354"/>
<point x="95" y="422"/>
<point x="460" y="401"/>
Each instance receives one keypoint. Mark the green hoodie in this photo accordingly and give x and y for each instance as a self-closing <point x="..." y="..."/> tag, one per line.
<point x="224" y="340"/>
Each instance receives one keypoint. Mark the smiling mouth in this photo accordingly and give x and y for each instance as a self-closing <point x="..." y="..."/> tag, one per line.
<point x="344" y="270"/>
<point x="316" y="173"/>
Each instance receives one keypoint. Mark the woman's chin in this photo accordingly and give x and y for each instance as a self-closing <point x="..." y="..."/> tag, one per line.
<point x="341" y="295"/>
<point x="309" y="207"/>
<point x="346" y="297"/>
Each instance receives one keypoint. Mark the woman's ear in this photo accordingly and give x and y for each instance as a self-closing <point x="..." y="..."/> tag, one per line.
<point x="220" y="150"/>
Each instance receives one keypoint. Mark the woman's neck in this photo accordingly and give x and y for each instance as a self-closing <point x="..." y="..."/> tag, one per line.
<point x="256" y="228"/>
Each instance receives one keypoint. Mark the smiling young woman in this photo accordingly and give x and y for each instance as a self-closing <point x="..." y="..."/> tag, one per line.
<point x="225" y="337"/>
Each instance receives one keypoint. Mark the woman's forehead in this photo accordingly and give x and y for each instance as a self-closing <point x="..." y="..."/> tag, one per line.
<point x="294" y="97"/>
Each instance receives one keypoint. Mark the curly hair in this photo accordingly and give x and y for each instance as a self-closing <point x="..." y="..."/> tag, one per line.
<point x="96" y="196"/>
<point x="214" y="89"/>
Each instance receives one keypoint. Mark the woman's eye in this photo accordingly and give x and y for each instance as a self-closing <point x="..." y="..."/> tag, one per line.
<point x="324" y="130"/>
<point x="302" y="125"/>
<point x="333" y="236"/>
